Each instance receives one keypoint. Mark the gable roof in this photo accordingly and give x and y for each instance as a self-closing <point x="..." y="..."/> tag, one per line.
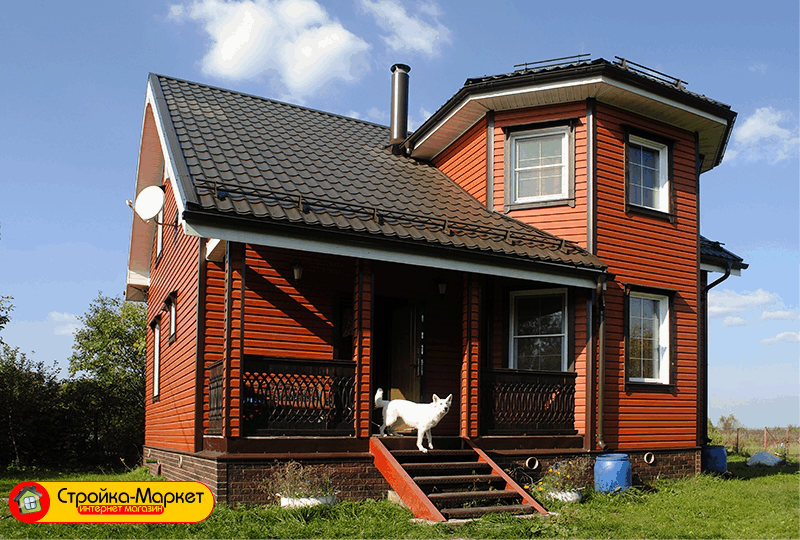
<point x="248" y="163"/>
<point x="622" y="84"/>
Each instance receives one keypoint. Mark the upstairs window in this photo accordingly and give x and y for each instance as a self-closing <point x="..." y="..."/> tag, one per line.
<point x="540" y="169"/>
<point x="648" y="174"/>
<point x="648" y="338"/>
<point x="539" y="330"/>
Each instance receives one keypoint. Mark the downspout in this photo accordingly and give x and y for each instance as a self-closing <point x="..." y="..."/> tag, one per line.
<point x="601" y="362"/>
<point x="704" y="427"/>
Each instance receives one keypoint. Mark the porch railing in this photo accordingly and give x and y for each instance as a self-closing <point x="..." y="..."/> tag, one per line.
<point x="289" y="396"/>
<point x="521" y="402"/>
<point x="215" y="399"/>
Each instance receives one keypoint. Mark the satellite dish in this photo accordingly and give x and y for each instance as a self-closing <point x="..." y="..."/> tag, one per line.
<point x="149" y="202"/>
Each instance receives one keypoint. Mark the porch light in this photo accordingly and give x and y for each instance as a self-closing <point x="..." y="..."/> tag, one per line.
<point x="442" y="287"/>
<point x="297" y="270"/>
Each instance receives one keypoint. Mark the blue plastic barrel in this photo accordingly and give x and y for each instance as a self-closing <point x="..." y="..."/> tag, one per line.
<point x="715" y="459"/>
<point x="612" y="472"/>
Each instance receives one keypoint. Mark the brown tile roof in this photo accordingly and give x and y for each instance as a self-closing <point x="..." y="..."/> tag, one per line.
<point x="252" y="158"/>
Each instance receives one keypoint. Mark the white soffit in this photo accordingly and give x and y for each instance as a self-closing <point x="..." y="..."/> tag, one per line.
<point x="711" y="128"/>
<point x="720" y="269"/>
<point x="344" y="248"/>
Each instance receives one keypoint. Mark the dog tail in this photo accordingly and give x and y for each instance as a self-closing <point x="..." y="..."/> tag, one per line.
<point x="379" y="401"/>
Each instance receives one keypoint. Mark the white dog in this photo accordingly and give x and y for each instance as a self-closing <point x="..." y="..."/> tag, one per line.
<point x="400" y="413"/>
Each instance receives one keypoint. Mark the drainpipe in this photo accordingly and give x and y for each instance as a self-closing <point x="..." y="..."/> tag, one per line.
<point x="704" y="427"/>
<point x="601" y="362"/>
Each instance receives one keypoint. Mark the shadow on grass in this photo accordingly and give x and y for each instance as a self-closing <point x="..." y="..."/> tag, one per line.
<point x="740" y="469"/>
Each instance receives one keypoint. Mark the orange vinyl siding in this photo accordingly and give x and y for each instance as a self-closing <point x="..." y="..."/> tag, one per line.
<point x="288" y="319"/>
<point x="214" y="324"/>
<point x="648" y="252"/>
<point x="170" y="421"/>
<point x="562" y="220"/>
<point x="465" y="161"/>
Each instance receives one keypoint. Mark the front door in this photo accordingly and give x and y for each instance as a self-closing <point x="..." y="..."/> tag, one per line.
<point x="407" y="356"/>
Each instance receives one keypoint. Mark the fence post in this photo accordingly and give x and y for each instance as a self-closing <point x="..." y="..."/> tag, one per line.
<point x="765" y="438"/>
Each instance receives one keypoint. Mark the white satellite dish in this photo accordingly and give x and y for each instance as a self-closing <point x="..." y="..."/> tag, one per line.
<point x="149" y="202"/>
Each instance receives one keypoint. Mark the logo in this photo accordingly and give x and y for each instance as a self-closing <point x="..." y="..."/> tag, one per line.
<point x="29" y="502"/>
<point x="111" y="502"/>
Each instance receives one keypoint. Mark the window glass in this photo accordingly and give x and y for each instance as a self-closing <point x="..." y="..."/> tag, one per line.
<point x="540" y="166"/>
<point x="539" y="338"/>
<point x="156" y="358"/>
<point x="647" y="174"/>
<point x="648" y="338"/>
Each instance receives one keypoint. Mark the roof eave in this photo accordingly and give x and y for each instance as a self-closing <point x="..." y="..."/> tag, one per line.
<point x="600" y="72"/>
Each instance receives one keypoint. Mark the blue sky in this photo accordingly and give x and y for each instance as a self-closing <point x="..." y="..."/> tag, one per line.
<point x="72" y="102"/>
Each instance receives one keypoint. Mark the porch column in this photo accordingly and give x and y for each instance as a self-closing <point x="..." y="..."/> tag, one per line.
<point x="362" y="347"/>
<point x="470" y="363"/>
<point x="234" y="317"/>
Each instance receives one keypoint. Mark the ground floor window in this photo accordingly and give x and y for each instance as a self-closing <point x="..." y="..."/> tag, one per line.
<point x="539" y="330"/>
<point x="648" y="338"/>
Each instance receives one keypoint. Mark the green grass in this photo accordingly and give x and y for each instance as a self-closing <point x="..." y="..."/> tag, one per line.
<point x="745" y="503"/>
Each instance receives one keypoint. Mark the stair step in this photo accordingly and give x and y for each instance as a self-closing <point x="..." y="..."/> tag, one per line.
<point x="447" y="465"/>
<point x="457" y="496"/>
<point x="416" y="454"/>
<point x="457" y="479"/>
<point x="477" y="511"/>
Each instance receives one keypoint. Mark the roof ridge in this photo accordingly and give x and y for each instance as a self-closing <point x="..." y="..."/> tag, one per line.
<point x="270" y="100"/>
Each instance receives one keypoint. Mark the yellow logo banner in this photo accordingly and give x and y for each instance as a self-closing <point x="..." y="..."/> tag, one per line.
<point x="111" y="502"/>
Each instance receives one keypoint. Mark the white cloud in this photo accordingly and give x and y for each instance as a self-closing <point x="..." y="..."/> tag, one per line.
<point x="422" y="116"/>
<point x="779" y="315"/>
<point x="421" y="32"/>
<point x="788" y="337"/>
<point x="68" y="329"/>
<point x="728" y="302"/>
<point x="761" y="69"/>
<point x="734" y="321"/>
<point x="55" y="316"/>
<point x="767" y="134"/>
<point x="296" y="39"/>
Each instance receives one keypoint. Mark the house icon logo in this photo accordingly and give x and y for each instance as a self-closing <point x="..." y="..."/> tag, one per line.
<point x="29" y="502"/>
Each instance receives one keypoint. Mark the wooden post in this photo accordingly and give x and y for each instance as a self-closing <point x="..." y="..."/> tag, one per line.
<point x="765" y="438"/>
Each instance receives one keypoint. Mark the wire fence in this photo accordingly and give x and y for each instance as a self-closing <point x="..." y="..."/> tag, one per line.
<point x="782" y="441"/>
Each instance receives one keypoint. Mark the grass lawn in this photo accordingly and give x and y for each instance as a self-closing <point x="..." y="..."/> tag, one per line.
<point x="746" y="503"/>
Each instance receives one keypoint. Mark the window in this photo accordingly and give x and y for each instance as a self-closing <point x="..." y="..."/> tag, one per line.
<point x="539" y="330"/>
<point x="156" y="358"/>
<point x="648" y="338"/>
<point x="648" y="174"/>
<point x="171" y="307"/>
<point x="540" y="168"/>
<point x="159" y="234"/>
<point x="29" y="502"/>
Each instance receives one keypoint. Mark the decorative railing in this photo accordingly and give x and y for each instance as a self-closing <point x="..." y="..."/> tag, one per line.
<point x="521" y="402"/>
<point x="215" y="399"/>
<point x="288" y="396"/>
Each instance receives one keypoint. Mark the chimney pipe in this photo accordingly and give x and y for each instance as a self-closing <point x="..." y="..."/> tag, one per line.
<point x="398" y="124"/>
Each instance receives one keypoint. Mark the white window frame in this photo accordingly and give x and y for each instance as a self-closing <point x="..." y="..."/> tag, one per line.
<point x="512" y="348"/>
<point x="564" y="131"/>
<point x="159" y="233"/>
<point x="156" y="359"/>
<point x="663" y="343"/>
<point x="663" y="173"/>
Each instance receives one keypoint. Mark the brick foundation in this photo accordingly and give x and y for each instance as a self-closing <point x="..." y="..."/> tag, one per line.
<point x="666" y="464"/>
<point x="234" y="480"/>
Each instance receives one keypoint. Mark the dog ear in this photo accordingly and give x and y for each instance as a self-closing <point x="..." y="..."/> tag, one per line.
<point x="436" y="398"/>
<point x="449" y="399"/>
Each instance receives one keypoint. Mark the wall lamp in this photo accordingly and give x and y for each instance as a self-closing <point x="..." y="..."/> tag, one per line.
<point x="297" y="270"/>
<point x="442" y="287"/>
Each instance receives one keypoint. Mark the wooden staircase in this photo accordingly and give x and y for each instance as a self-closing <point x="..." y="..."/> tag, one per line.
<point x="456" y="480"/>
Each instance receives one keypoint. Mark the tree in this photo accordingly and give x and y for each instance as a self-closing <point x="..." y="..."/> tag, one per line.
<point x="29" y="393"/>
<point x="110" y="351"/>
<point x="728" y="424"/>
<point x="6" y="307"/>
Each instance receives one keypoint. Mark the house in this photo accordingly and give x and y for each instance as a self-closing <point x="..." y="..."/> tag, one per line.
<point x="28" y="500"/>
<point x="533" y="248"/>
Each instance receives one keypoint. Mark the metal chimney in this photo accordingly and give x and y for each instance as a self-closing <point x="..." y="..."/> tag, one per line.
<point x="398" y="124"/>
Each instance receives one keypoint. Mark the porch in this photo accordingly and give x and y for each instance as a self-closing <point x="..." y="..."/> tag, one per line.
<point x="284" y="397"/>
